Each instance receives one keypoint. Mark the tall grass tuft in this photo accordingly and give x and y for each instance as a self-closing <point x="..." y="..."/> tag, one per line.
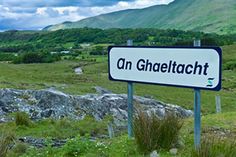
<point x="152" y="133"/>
<point x="6" y="139"/>
<point x="215" y="147"/>
<point x="22" y="118"/>
<point x="18" y="150"/>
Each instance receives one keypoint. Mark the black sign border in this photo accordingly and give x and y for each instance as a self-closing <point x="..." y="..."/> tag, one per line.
<point x="218" y="50"/>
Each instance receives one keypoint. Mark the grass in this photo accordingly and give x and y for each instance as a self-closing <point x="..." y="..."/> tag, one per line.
<point x="22" y="119"/>
<point x="211" y="147"/>
<point x="83" y="147"/>
<point x="152" y="133"/>
<point x="212" y="125"/>
<point x="61" y="129"/>
<point x="18" y="150"/>
<point x="6" y="139"/>
<point x="119" y="146"/>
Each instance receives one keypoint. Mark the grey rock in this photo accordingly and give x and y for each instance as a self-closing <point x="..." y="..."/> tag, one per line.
<point x="78" y="71"/>
<point x="101" y="90"/>
<point x="173" y="151"/>
<point x="179" y="144"/>
<point x="40" y="104"/>
<point x="40" y="142"/>
<point x="154" y="154"/>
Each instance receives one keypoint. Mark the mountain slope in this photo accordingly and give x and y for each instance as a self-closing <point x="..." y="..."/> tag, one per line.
<point x="199" y="15"/>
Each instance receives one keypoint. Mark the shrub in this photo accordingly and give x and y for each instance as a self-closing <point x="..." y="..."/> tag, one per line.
<point x="32" y="57"/>
<point x="92" y="127"/>
<point x="7" y="56"/>
<point x="152" y="133"/>
<point x="6" y="140"/>
<point x="18" y="150"/>
<point x="215" y="147"/>
<point x="122" y="146"/>
<point x="78" y="146"/>
<point x="22" y="118"/>
<point x="63" y="123"/>
<point x="44" y="152"/>
<point x="98" y="50"/>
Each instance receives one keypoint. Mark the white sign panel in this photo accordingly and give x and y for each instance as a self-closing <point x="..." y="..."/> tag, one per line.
<point x="194" y="67"/>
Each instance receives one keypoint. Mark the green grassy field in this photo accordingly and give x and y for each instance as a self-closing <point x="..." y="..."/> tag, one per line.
<point x="60" y="75"/>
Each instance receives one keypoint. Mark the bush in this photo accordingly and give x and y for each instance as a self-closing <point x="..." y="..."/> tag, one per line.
<point x="152" y="133"/>
<point x="215" y="147"/>
<point x="22" y="118"/>
<point x="18" y="150"/>
<point x="48" y="151"/>
<point x="92" y="127"/>
<point x="7" y="56"/>
<point x="98" y="50"/>
<point x="78" y="146"/>
<point x="122" y="147"/>
<point x="6" y="140"/>
<point x="32" y="57"/>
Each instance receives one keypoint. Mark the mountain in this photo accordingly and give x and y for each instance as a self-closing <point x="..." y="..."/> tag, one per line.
<point x="211" y="16"/>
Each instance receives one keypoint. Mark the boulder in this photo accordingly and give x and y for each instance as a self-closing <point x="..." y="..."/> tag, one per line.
<point x="154" y="154"/>
<point x="41" y="142"/>
<point x="40" y="104"/>
<point x="101" y="90"/>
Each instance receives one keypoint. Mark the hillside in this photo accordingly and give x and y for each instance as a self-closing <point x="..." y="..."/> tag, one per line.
<point x="215" y="16"/>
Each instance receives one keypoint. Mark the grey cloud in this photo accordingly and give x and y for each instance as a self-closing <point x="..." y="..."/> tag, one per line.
<point x="58" y="3"/>
<point x="86" y="11"/>
<point x="23" y="10"/>
<point x="21" y="14"/>
<point x="51" y="12"/>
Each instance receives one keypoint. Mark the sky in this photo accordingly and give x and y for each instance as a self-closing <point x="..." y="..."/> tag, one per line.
<point x="37" y="14"/>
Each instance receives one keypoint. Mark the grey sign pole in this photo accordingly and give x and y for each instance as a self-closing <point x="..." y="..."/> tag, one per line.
<point x="130" y="102"/>
<point x="197" y="110"/>
<point x="218" y="104"/>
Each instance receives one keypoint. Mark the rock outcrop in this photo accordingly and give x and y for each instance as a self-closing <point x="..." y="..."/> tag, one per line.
<point x="40" y="104"/>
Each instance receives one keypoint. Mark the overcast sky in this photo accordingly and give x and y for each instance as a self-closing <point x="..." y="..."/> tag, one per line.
<point x="36" y="14"/>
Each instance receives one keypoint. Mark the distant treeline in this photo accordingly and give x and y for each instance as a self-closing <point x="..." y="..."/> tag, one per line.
<point x="33" y="57"/>
<point x="18" y="41"/>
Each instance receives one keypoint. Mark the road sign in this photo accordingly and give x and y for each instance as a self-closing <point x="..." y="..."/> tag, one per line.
<point x="193" y="67"/>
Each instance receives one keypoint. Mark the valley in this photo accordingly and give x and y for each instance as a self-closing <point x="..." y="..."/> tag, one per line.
<point x="72" y="64"/>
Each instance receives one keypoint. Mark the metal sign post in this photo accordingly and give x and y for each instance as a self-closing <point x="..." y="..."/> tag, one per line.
<point x="197" y="118"/>
<point x="197" y="110"/>
<point x="218" y="104"/>
<point x="130" y="109"/>
<point x="130" y="102"/>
